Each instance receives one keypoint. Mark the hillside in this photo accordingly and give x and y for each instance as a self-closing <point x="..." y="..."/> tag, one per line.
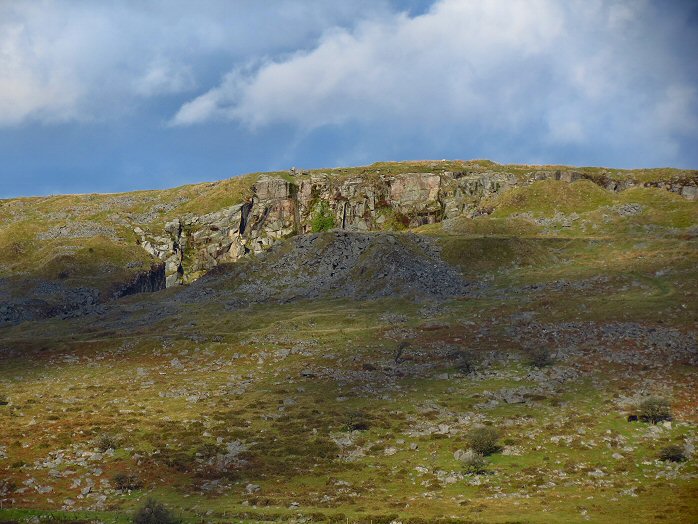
<point x="67" y="254"/>
<point x="325" y="346"/>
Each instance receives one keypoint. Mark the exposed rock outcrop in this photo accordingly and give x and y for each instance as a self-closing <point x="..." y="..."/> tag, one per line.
<point x="285" y="206"/>
<point x="44" y="299"/>
<point x="191" y="245"/>
<point x="71" y="243"/>
<point x="144" y="282"/>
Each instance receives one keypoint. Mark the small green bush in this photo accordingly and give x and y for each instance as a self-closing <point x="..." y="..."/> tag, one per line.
<point x="208" y="450"/>
<point x="358" y="421"/>
<point x="655" y="409"/>
<point x="106" y="442"/>
<point x="153" y="512"/>
<point x="541" y="357"/>
<point x="7" y="487"/>
<point x="126" y="482"/>
<point x="464" y="361"/>
<point x="394" y="221"/>
<point x="484" y="440"/>
<point x="672" y="454"/>
<point x="323" y="219"/>
<point x="382" y="519"/>
<point x="474" y="463"/>
<point x="177" y="460"/>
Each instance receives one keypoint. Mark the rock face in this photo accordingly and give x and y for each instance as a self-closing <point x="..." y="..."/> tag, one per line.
<point x="144" y="282"/>
<point x="45" y="299"/>
<point x="191" y="245"/>
<point x="280" y="208"/>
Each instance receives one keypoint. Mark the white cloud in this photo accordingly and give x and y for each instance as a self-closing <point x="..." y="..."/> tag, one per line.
<point x="565" y="72"/>
<point x="612" y="74"/>
<point x="63" y="60"/>
<point x="200" y="109"/>
<point x="25" y="87"/>
<point x="445" y="63"/>
<point x="677" y="109"/>
<point x="162" y="77"/>
<point x="623" y="14"/>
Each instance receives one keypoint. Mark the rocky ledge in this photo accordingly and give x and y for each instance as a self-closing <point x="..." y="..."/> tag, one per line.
<point x="284" y="206"/>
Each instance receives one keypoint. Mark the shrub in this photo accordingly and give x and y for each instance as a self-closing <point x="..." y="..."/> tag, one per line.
<point x="209" y="450"/>
<point x="127" y="482"/>
<point x="17" y="249"/>
<point x="323" y="219"/>
<point x="399" y="351"/>
<point x="483" y="440"/>
<point x="540" y="357"/>
<point x="474" y="463"/>
<point x="655" y="409"/>
<point x="394" y="220"/>
<point x="7" y="486"/>
<point x="464" y="361"/>
<point x="106" y="442"/>
<point x="358" y="421"/>
<point x="672" y="454"/>
<point x="382" y="519"/>
<point x="153" y="512"/>
<point x="177" y="460"/>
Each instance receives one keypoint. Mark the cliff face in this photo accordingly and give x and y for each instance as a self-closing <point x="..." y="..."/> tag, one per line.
<point x="284" y="206"/>
<point x="67" y="255"/>
<point x="143" y="282"/>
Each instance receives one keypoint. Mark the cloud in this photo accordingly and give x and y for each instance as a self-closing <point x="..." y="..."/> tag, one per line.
<point x="597" y="80"/>
<point x="162" y="77"/>
<point x="25" y="88"/>
<point x="75" y="61"/>
<point x="552" y="72"/>
<point x="432" y="66"/>
<point x="676" y="111"/>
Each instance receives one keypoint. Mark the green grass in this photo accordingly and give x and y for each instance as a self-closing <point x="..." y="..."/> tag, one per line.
<point x="176" y="381"/>
<point x="545" y="198"/>
<point x="293" y="456"/>
<point x="488" y="166"/>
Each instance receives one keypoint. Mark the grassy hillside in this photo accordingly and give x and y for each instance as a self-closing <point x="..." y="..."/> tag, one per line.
<point x="218" y="400"/>
<point x="551" y="208"/>
<point x="279" y="388"/>
<point x="41" y="233"/>
<point x="480" y="166"/>
<point x="34" y="229"/>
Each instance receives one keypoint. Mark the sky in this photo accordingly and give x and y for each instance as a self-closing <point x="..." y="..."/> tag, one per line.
<point x="108" y="96"/>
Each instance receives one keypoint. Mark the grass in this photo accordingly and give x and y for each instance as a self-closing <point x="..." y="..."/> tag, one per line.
<point x="155" y="417"/>
<point x="488" y="166"/>
<point x="544" y="198"/>
<point x="204" y="399"/>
